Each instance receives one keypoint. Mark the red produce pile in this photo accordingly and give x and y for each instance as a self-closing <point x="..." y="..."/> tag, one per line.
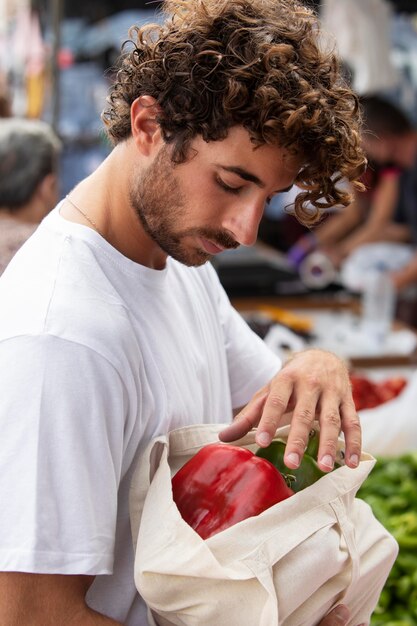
<point x="368" y="394"/>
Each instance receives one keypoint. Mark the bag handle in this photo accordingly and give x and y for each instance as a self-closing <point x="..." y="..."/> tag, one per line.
<point x="141" y="480"/>
<point x="262" y="570"/>
<point x="348" y="532"/>
<point x="188" y="439"/>
<point x="314" y="520"/>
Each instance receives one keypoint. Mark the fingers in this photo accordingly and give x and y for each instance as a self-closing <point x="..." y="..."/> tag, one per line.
<point x="315" y="401"/>
<point x="339" y="616"/>
<point x="327" y="397"/>
<point x="303" y="418"/>
<point x="333" y="418"/>
<point x="353" y="434"/>
<point x="275" y="406"/>
<point x="330" y="426"/>
<point x="315" y="384"/>
<point x="246" y="419"/>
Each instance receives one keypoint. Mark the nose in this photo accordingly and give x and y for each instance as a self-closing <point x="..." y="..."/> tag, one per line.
<point x="244" y="224"/>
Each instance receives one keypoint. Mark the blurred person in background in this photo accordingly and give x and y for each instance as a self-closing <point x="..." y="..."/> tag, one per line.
<point x="376" y="213"/>
<point x="370" y="218"/>
<point x="29" y="154"/>
<point x="373" y="216"/>
<point x="390" y="138"/>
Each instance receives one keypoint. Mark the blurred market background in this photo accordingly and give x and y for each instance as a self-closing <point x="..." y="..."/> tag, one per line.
<point x="56" y="58"/>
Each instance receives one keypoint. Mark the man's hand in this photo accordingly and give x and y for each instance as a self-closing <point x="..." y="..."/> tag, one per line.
<point x="339" y="616"/>
<point x="314" y="384"/>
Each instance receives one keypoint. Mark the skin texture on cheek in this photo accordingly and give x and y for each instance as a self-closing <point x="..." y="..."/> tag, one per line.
<point x="162" y="209"/>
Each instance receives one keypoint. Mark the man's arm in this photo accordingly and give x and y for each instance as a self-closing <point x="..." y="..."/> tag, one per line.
<point x="381" y="214"/>
<point x="47" y="600"/>
<point x="340" y="224"/>
<point x="405" y="276"/>
<point x="58" y="600"/>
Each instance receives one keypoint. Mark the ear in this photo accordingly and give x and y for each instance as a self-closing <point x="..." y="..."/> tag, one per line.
<point x="146" y="131"/>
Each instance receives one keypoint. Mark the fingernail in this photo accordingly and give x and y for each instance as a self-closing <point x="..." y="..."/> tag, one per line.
<point x="293" y="459"/>
<point x="263" y="439"/>
<point x="327" y="460"/>
<point x="354" y="459"/>
<point x="342" y="613"/>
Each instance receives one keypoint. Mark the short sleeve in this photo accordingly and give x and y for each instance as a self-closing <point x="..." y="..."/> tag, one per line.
<point x="62" y="420"/>
<point x="251" y="363"/>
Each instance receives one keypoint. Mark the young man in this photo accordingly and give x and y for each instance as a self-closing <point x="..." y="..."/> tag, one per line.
<point x="114" y="327"/>
<point x="29" y="155"/>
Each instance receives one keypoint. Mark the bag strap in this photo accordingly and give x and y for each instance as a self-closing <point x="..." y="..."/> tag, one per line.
<point x="348" y="531"/>
<point x="142" y="476"/>
<point x="189" y="438"/>
<point x="262" y="570"/>
<point x="259" y="562"/>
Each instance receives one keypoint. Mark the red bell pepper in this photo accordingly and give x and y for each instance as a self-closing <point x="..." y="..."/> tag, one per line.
<point x="224" y="484"/>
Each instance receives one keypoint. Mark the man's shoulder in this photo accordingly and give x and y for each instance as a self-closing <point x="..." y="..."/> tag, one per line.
<point x="53" y="292"/>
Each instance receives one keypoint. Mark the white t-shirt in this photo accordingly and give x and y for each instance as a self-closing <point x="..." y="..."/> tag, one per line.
<point x="99" y="354"/>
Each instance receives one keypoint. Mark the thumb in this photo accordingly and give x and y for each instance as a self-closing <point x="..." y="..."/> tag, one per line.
<point x="339" y="616"/>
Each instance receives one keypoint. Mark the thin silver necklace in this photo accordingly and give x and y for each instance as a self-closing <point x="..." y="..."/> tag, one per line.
<point x="92" y="222"/>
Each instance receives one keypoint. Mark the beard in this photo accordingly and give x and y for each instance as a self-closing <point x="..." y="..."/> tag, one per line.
<point x="160" y="206"/>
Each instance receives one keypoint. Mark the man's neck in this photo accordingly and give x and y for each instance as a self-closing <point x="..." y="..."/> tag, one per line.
<point x="104" y="197"/>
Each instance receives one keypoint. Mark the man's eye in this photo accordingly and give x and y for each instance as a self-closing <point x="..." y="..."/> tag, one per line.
<point x="227" y="187"/>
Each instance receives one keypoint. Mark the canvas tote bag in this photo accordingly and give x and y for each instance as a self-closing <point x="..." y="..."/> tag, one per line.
<point x="287" y="566"/>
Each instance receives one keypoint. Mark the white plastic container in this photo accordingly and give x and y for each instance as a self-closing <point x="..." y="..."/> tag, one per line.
<point x="378" y="306"/>
<point x="317" y="271"/>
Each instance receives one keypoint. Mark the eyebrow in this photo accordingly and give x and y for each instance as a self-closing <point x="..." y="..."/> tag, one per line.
<point x="252" y="178"/>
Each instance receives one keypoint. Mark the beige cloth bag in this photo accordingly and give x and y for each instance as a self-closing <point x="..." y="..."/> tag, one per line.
<point x="288" y="566"/>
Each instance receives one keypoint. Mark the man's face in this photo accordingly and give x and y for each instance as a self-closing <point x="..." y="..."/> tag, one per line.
<point x="215" y="200"/>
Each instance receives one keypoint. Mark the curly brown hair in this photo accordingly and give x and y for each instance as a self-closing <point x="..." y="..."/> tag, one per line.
<point x="214" y="64"/>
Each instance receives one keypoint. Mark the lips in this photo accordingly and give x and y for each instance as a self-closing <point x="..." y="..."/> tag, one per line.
<point x="210" y="247"/>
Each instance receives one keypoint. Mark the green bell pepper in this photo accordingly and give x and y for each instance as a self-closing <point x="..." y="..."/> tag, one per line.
<point x="308" y="471"/>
